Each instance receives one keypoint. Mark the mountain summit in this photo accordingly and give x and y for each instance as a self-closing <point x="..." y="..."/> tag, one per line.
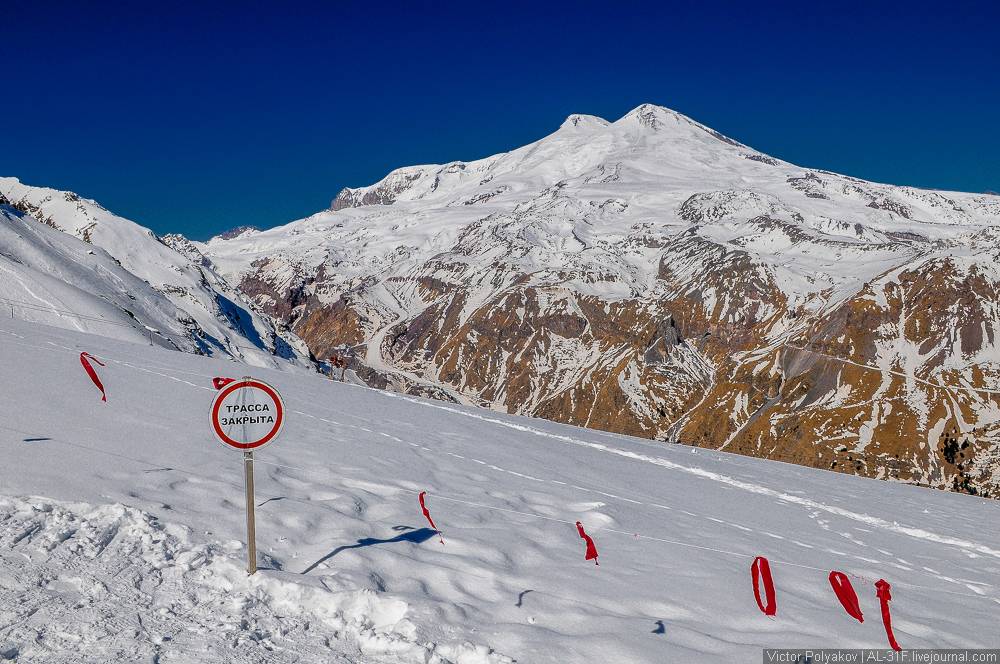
<point x="652" y="136"/>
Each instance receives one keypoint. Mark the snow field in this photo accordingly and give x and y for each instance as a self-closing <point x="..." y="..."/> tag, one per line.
<point x="356" y="574"/>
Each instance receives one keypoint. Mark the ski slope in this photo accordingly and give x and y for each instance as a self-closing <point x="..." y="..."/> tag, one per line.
<point x="121" y="531"/>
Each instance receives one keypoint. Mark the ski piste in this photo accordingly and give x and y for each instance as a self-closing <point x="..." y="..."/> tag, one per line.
<point x="122" y="525"/>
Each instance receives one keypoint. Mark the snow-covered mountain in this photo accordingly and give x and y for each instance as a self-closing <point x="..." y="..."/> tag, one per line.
<point x="651" y="276"/>
<point x="122" y="532"/>
<point x="102" y="267"/>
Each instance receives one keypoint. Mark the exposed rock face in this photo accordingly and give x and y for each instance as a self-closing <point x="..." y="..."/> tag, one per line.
<point x="383" y="193"/>
<point x="239" y="231"/>
<point x="186" y="248"/>
<point x="650" y="276"/>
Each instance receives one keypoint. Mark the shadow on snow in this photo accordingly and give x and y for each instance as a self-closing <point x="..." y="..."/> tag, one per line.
<point x="418" y="536"/>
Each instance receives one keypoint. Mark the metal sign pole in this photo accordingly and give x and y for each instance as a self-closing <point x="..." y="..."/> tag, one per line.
<point x="251" y="525"/>
<point x="247" y="415"/>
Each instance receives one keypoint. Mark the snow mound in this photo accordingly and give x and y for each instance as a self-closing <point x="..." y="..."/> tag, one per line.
<point x="112" y="583"/>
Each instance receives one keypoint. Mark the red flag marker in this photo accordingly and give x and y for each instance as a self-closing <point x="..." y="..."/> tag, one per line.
<point x="85" y="361"/>
<point x="427" y="515"/>
<point x="845" y="593"/>
<point x="219" y="382"/>
<point x="760" y="570"/>
<point x="591" y="547"/>
<point x="882" y="591"/>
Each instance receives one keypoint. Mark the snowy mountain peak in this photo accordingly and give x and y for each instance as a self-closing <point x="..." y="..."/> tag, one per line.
<point x="583" y="121"/>
<point x="649" y="137"/>
<point x="651" y="116"/>
<point x="670" y="127"/>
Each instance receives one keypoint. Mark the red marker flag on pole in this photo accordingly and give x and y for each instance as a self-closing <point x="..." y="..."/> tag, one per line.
<point x="591" y="547"/>
<point x="760" y="570"/>
<point x="427" y="515"/>
<point x="882" y="591"/>
<point x="85" y="361"/>
<point x="845" y="593"/>
<point x="219" y="383"/>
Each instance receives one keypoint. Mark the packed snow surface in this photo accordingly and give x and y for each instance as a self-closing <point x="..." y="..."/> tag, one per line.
<point x="122" y="529"/>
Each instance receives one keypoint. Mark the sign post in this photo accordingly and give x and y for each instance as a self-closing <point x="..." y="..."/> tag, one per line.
<point x="251" y="520"/>
<point x="247" y="414"/>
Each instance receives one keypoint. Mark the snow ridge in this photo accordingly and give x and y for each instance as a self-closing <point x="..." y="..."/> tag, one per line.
<point x="208" y="316"/>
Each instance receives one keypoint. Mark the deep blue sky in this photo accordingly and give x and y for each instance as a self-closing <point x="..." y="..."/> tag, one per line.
<point x="196" y="119"/>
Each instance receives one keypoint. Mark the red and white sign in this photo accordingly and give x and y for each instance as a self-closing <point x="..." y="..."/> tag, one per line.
<point x="247" y="414"/>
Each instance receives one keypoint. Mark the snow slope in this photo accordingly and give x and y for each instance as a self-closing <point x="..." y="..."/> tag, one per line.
<point x="218" y="320"/>
<point x="121" y="527"/>
<point x="49" y="277"/>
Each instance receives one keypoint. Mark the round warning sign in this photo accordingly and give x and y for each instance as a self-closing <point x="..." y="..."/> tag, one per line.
<point x="247" y="414"/>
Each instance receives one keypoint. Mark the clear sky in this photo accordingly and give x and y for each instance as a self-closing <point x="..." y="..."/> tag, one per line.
<point x="199" y="118"/>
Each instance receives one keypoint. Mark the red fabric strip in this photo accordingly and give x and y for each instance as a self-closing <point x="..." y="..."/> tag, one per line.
<point x="845" y="593"/>
<point x="219" y="382"/>
<point x="427" y="515"/>
<point x="591" y="547"/>
<point x="884" y="595"/>
<point x="85" y="361"/>
<point x="760" y="570"/>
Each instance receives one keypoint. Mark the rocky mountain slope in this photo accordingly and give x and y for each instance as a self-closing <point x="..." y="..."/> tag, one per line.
<point x="651" y="276"/>
<point x="86" y="268"/>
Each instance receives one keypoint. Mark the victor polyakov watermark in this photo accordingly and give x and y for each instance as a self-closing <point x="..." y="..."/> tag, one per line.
<point x="879" y="656"/>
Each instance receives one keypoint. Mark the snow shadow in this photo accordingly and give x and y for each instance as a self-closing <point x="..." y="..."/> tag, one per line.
<point x="240" y="319"/>
<point x="418" y="536"/>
